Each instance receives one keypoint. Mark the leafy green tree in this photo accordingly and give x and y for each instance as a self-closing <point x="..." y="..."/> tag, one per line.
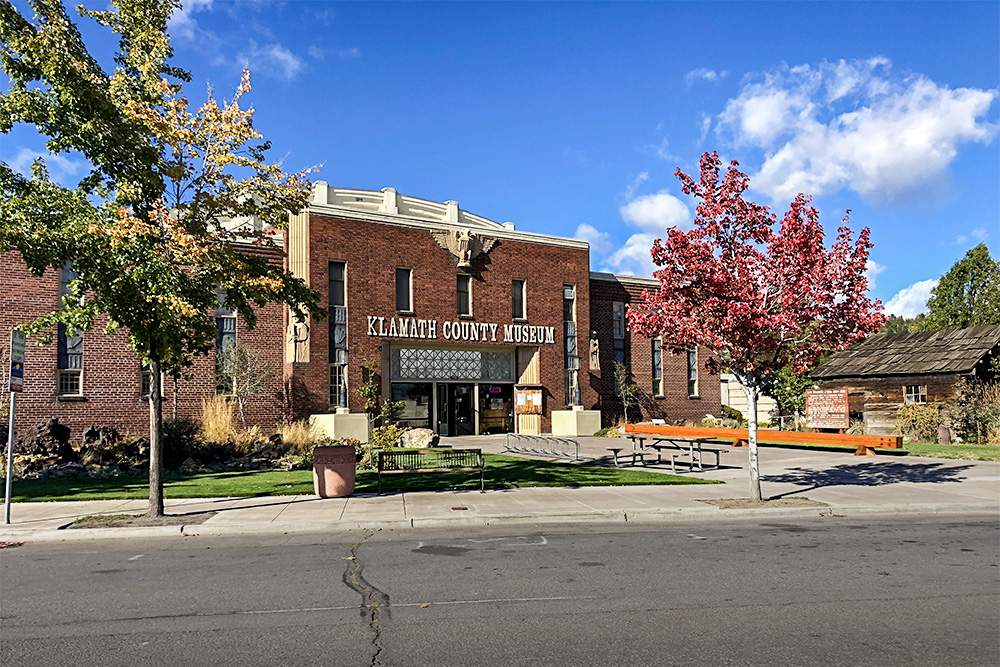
<point x="144" y="229"/>
<point x="968" y="295"/>
<point x="788" y="388"/>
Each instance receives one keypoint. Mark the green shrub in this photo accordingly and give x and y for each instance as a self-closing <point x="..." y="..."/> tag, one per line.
<point x="181" y="441"/>
<point x="729" y="412"/>
<point x="609" y="432"/>
<point x="977" y="417"/>
<point x="918" y="423"/>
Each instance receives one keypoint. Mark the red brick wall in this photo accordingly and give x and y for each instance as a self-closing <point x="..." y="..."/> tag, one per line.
<point x="111" y="372"/>
<point x="374" y="250"/>
<point x="675" y="404"/>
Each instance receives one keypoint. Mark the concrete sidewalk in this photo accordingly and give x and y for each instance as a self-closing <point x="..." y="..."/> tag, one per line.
<point x="848" y="485"/>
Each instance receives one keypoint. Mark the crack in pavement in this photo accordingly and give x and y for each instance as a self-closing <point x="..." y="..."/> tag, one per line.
<point x="374" y="602"/>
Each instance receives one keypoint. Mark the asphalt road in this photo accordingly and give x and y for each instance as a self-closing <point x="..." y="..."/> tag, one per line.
<point x="822" y="591"/>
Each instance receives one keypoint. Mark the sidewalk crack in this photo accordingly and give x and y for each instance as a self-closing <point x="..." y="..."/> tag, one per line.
<point x="374" y="602"/>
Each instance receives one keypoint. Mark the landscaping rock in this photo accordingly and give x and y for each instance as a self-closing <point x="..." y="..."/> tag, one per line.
<point x="419" y="438"/>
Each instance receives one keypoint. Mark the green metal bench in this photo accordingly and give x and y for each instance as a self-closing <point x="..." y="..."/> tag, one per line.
<point x="430" y="460"/>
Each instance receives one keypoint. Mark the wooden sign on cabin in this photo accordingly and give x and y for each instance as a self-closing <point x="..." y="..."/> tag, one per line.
<point x="827" y="408"/>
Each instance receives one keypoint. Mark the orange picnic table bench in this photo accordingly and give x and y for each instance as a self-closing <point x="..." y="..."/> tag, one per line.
<point x="647" y="438"/>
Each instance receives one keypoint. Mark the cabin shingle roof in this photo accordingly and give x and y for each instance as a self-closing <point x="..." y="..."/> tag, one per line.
<point x="923" y="353"/>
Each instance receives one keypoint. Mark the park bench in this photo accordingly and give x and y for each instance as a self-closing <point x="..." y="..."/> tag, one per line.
<point x="430" y="460"/>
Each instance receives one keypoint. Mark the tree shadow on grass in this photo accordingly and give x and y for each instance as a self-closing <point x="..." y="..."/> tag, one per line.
<point x="868" y="474"/>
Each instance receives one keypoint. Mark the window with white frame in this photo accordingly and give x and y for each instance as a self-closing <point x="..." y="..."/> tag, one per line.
<point x="692" y="372"/>
<point x="916" y="393"/>
<point x="404" y="290"/>
<point x="464" y="295"/>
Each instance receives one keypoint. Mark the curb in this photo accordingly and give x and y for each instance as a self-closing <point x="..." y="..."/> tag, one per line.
<point x="644" y="517"/>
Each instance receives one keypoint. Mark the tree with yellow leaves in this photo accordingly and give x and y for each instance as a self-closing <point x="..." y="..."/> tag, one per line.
<point x="154" y="231"/>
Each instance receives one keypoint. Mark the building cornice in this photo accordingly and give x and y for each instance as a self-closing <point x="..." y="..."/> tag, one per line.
<point x="384" y="207"/>
<point x="625" y="280"/>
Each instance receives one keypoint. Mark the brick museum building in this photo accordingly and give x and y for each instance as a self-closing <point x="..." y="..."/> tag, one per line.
<point x="476" y="326"/>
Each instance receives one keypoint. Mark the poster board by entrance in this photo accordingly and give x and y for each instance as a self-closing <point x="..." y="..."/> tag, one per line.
<point x="528" y="401"/>
<point x="827" y="408"/>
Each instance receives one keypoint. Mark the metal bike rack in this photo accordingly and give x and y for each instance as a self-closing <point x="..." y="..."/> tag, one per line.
<point x="539" y="444"/>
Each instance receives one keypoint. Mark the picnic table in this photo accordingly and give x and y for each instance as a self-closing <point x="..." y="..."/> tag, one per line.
<point x="690" y="446"/>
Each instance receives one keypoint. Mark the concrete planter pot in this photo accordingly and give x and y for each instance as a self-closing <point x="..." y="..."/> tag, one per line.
<point x="333" y="471"/>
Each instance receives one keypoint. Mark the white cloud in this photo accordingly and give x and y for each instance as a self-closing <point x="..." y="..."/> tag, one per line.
<point x="980" y="234"/>
<point x="654" y="213"/>
<point x="634" y="185"/>
<point x="703" y="74"/>
<point x="634" y="257"/>
<point x="706" y="125"/>
<point x="853" y="125"/>
<point x="663" y="152"/>
<point x="350" y="53"/>
<point x="872" y="269"/>
<point x="272" y="59"/>
<point x="912" y="300"/>
<point x="61" y="168"/>
<point x="600" y="242"/>
<point x="182" y="24"/>
<point x="316" y="53"/>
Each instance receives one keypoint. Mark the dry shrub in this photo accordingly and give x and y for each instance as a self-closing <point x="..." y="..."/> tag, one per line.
<point x="218" y="423"/>
<point x="299" y="436"/>
<point x="250" y="441"/>
<point x="918" y="423"/>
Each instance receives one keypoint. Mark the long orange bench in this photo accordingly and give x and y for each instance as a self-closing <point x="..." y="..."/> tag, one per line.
<point x="864" y="445"/>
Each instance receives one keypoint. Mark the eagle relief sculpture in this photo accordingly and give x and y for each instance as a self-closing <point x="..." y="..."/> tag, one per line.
<point x="464" y="244"/>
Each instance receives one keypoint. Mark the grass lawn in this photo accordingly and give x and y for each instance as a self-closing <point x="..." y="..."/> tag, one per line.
<point x="502" y="472"/>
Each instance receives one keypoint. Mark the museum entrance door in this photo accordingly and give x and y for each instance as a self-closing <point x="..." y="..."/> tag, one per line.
<point x="456" y="409"/>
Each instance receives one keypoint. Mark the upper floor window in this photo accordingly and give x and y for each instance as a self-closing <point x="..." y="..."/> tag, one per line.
<point x="517" y="299"/>
<point x="338" y="284"/>
<point x="692" y="368"/>
<point x="618" y="332"/>
<point x="916" y="393"/>
<point x="404" y="290"/>
<point x="464" y="295"/>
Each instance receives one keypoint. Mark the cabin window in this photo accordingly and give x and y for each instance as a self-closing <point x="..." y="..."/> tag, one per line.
<point x="916" y="393"/>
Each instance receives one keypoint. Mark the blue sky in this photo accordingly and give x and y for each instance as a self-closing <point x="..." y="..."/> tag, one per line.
<point x="570" y="119"/>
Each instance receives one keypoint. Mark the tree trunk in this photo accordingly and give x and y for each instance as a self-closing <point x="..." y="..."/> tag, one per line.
<point x="155" y="439"/>
<point x="750" y="389"/>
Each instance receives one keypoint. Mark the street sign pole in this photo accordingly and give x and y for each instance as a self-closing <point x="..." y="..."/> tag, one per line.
<point x="10" y="459"/>
<point x="16" y="382"/>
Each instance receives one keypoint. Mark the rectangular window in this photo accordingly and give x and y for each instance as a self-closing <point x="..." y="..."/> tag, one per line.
<point x="572" y="358"/>
<point x="465" y="295"/>
<point x="70" y="348"/>
<point x="225" y="337"/>
<point x="916" y="393"/>
<point x="657" y="368"/>
<point x="145" y="380"/>
<point x="618" y="318"/>
<point x="517" y="299"/>
<point x="338" y="334"/>
<point x="338" y="283"/>
<point x="404" y="290"/>
<point x="692" y="368"/>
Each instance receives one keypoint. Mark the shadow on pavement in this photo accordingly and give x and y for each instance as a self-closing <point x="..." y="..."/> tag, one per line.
<point x="868" y="474"/>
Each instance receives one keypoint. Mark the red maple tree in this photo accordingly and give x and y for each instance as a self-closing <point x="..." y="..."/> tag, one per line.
<point x="760" y="295"/>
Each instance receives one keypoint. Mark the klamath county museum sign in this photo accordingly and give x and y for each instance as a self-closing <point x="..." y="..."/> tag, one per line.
<point x="483" y="332"/>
